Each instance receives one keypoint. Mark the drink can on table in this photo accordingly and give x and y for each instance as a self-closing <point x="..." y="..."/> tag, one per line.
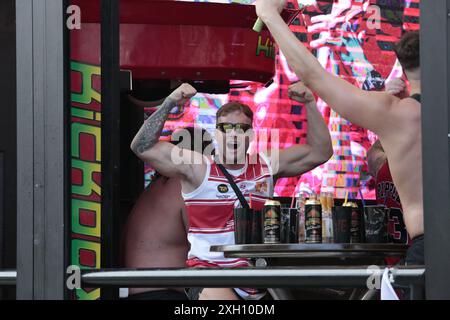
<point x="313" y="221"/>
<point x="272" y="221"/>
<point x="327" y="222"/>
<point x="289" y="225"/>
<point x="355" y="226"/>
<point x="294" y="222"/>
<point x="330" y="200"/>
<point x="301" y="199"/>
<point x="376" y="224"/>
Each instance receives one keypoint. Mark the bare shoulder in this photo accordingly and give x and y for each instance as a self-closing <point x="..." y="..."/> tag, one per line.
<point x="267" y="153"/>
<point x="410" y="109"/>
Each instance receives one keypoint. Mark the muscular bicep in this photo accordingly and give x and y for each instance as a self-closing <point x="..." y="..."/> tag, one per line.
<point x="169" y="160"/>
<point x="295" y="160"/>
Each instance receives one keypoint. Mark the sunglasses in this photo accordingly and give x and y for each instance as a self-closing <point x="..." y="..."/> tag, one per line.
<point x="224" y="127"/>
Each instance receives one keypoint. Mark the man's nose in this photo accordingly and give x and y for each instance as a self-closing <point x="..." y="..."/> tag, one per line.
<point x="232" y="132"/>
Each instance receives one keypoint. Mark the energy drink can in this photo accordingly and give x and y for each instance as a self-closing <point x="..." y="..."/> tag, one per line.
<point x="313" y="220"/>
<point x="272" y="221"/>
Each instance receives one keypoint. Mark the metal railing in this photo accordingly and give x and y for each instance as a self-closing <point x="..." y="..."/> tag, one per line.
<point x="342" y="277"/>
<point x="8" y="278"/>
<point x="257" y="278"/>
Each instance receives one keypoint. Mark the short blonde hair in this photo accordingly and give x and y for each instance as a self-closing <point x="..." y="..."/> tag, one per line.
<point x="232" y="107"/>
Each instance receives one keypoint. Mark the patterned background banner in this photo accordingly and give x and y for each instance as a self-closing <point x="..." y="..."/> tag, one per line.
<point x="341" y="34"/>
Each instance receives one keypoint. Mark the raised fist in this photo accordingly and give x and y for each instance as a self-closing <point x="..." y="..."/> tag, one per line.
<point x="182" y="93"/>
<point x="397" y="87"/>
<point x="301" y="93"/>
<point x="264" y="7"/>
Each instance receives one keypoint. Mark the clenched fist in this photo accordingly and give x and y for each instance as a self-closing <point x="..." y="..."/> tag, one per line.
<point x="301" y="93"/>
<point x="183" y="93"/>
<point x="397" y="87"/>
<point x="264" y="7"/>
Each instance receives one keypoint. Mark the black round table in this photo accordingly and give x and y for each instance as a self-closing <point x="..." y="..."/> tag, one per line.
<point x="300" y="255"/>
<point x="331" y="251"/>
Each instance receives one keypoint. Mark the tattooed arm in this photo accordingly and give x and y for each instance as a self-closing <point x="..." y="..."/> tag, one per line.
<point x="167" y="159"/>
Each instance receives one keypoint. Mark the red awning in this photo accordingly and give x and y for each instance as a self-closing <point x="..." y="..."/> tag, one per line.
<point x="181" y="40"/>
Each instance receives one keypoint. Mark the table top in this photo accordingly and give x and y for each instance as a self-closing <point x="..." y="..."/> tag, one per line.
<point x="302" y="250"/>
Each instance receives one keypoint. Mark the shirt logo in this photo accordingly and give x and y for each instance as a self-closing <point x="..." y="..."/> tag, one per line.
<point x="262" y="187"/>
<point x="222" y="188"/>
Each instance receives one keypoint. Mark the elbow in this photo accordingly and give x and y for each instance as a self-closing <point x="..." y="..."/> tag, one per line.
<point x="136" y="149"/>
<point x="311" y="77"/>
<point x="325" y="151"/>
<point x="324" y="158"/>
<point x="133" y="148"/>
<point x="329" y="151"/>
<point x="324" y="155"/>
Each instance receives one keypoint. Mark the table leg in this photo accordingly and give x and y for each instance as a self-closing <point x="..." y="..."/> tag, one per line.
<point x="369" y="295"/>
<point x="417" y="292"/>
<point x="354" y="294"/>
<point x="363" y="294"/>
<point x="280" y="294"/>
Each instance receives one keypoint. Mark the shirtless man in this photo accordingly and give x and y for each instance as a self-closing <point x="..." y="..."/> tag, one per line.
<point x="386" y="191"/>
<point x="209" y="198"/>
<point x="396" y="121"/>
<point x="155" y="235"/>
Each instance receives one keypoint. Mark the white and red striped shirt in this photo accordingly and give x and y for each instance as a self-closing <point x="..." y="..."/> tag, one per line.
<point x="210" y="209"/>
<point x="210" y="212"/>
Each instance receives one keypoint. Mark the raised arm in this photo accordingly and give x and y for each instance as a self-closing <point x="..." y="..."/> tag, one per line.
<point x="298" y="159"/>
<point x="371" y="110"/>
<point x="167" y="159"/>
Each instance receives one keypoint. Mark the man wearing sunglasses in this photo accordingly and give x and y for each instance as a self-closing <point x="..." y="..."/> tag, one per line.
<point x="207" y="193"/>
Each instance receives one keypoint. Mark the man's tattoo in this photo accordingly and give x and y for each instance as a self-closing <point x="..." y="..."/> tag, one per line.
<point x="151" y="130"/>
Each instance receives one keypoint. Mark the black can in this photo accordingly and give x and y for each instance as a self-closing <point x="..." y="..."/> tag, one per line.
<point x="272" y="222"/>
<point x="289" y="225"/>
<point x="293" y="225"/>
<point x="313" y="221"/>
<point x="355" y="226"/>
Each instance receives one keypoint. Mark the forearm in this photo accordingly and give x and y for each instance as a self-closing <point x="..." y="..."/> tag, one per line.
<point x="318" y="135"/>
<point x="333" y="90"/>
<point x="300" y="60"/>
<point x="305" y="64"/>
<point x="340" y="95"/>
<point x="150" y="131"/>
